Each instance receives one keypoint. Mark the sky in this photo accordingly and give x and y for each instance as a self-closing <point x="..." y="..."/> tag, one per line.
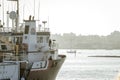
<point x="86" y="17"/>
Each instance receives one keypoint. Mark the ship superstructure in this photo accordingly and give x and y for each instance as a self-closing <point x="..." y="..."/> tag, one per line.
<point x="28" y="54"/>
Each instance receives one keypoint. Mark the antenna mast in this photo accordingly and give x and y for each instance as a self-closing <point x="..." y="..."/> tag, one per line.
<point x="17" y="20"/>
<point x="34" y="8"/>
<point x="0" y="4"/>
<point x="0" y="16"/>
<point x="3" y="11"/>
<point x="39" y="10"/>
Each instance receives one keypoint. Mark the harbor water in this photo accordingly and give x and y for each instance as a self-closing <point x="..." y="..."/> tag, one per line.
<point x="83" y="67"/>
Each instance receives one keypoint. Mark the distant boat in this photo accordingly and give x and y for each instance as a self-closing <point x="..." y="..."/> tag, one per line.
<point x="71" y="47"/>
<point x="71" y="51"/>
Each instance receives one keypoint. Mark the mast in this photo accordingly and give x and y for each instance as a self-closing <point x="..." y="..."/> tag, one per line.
<point x="0" y="15"/>
<point x="17" y="19"/>
<point x="3" y="11"/>
<point x="34" y="8"/>
<point x="0" y="6"/>
<point x="39" y="10"/>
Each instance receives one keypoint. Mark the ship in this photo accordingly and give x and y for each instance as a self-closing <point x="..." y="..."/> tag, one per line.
<point x="27" y="53"/>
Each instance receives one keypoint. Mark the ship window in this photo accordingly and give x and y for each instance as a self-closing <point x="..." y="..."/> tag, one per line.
<point x="3" y="47"/>
<point x="33" y="31"/>
<point x="38" y="40"/>
<point x="41" y="39"/>
<point x="20" y="39"/>
<point x="17" y="40"/>
<point x="26" y="29"/>
<point x="47" y="39"/>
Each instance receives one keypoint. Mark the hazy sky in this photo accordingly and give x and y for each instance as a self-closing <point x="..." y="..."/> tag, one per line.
<point x="78" y="16"/>
<point x="84" y="16"/>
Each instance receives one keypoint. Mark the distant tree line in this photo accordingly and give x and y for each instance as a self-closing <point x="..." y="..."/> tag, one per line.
<point x="70" y="40"/>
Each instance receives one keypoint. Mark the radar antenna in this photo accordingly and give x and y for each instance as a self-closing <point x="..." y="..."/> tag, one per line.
<point x="44" y="22"/>
<point x="17" y="12"/>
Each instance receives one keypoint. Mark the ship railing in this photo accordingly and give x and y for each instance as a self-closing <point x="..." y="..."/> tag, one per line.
<point x="10" y="29"/>
<point x="20" y="28"/>
<point x="13" y="57"/>
<point x="6" y="29"/>
<point x="43" y="30"/>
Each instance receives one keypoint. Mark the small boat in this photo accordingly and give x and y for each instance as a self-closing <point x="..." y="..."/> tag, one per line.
<point x="71" y="51"/>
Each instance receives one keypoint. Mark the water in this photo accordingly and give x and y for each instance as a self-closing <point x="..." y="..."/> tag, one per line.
<point x="83" y="67"/>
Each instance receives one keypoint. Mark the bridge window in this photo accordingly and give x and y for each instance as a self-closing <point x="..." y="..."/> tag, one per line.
<point x="38" y="39"/>
<point x="41" y="39"/>
<point x="33" y="31"/>
<point x="26" y="29"/>
<point x="3" y="47"/>
<point x="47" y="39"/>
